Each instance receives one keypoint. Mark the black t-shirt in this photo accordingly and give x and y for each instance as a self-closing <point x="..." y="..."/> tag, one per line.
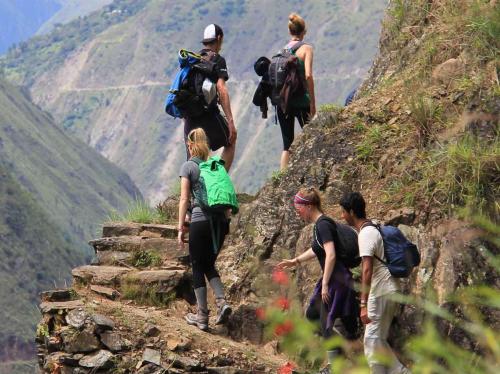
<point x="322" y="233"/>
<point x="220" y="65"/>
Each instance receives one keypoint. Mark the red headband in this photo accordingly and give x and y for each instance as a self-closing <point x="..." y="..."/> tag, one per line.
<point x="298" y="199"/>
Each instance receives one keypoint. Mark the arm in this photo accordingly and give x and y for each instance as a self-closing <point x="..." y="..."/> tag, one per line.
<point x="306" y="256"/>
<point x="327" y="273"/>
<point x="226" y="107"/>
<point x="183" y="206"/>
<point x="366" y="280"/>
<point x="308" y="62"/>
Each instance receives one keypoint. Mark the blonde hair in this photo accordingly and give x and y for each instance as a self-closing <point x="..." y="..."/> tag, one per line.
<point x="198" y="141"/>
<point x="311" y="194"/>
<point x="296" y="24"/>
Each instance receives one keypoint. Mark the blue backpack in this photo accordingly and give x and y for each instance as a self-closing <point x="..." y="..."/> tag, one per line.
<point x="188" y="93"/>
<point x="401" y="255"/>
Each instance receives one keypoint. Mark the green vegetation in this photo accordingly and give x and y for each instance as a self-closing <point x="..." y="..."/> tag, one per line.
<point x="146" y="295"/>
<point x="138" y="211"/>
<point x="54" y="191"/>
<point x="464" y="174"/>
<point x="135" y="42"/>
<point x="144" y="259"/>
<point x="430" y="348"/>
<point x="38" y="54"/>
<point x="424" y="112"/>
<point x="371" y="140"/>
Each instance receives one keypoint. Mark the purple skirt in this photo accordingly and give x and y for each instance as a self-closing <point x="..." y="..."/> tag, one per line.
<point x="343" y="301"/>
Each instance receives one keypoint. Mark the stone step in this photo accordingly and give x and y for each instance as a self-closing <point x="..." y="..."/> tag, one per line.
<point x="163" y="280"/>
<point x="56" y="306"/>
<point x="113" y="229"/>
<point x="133" y="244"/>
<point x="99" y="275"/>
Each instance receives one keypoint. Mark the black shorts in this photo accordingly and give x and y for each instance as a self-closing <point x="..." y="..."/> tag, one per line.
<point x="215" y="126"/>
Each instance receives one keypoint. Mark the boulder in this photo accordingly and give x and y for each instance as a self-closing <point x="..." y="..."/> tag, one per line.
<point x="76" y="318"/>
<point x="103" y="323"/>
<point x="108" y="292"/>
<point x="152" y="356"/>
<point x="448" y="70"/>
<point x="75" y="341"/>
<point x="100" y="275"/>
<point x="113" y="341"/>
<point x="151" y="330"/>
<point x="404" y="216"/>
<point x="99" y="360"/>
<point x="182" y="362"/>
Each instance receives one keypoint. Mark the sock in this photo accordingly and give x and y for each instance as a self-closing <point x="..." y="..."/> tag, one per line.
<point x="201" y="297"/>
<point x="217" y="287"/>
<point x="332" y="355"/>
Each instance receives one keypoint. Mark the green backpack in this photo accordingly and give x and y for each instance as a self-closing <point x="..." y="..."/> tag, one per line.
<point x="215" y="192"/>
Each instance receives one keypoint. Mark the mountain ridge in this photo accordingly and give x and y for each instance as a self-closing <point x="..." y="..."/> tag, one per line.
<point x="142" y="47"/>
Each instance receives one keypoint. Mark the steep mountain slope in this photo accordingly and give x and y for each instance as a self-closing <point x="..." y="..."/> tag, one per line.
<point x="422" y="145"/>
<point x="19" y="20"/>
<point x="55" y="191"/>
<point x="74" y="185"/>
<point x="35" y="257"/>
<point x="71" y="9"/>
<point x="110" y="72"/>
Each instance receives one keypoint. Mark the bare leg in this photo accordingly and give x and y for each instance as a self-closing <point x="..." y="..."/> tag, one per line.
<point x="228" y="155"/>
<point x="285" y="156"/>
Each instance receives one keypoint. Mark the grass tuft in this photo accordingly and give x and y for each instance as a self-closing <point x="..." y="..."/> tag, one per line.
<point x="138" y="211"/>
<point x="425" y="112"/>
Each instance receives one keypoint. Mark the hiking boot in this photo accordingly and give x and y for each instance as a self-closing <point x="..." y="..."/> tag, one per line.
<point x="199" y="319"/>
<point x="223" y="311"/>
<point x="325" y="370"/>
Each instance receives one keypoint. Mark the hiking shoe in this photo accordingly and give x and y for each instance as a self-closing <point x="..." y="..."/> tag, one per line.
<point x="325" y="370"/>
<point x="199" y="319"/>
<point x="223" y="312"/>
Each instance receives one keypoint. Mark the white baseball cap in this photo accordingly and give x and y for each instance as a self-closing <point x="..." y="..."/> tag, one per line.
<point x="211" y="33"/>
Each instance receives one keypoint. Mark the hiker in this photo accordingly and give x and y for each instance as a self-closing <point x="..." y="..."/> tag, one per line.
<point x="220" y="130"/>
<point x="300" y="106"/>
<point x="333" y="302"/>
<point x="201" y="235"/>
<point x="378" y="288"/>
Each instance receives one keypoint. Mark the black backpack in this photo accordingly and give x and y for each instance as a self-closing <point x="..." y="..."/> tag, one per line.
<point x="345" y="239"/>
<point x="278" y="71"/>
<point x="190" y="99"/>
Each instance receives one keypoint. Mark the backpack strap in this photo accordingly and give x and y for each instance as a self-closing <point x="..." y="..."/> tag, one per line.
<point x="315" y="230"/>
<point x="370" y="223"/>
<point x="296" y="46"/>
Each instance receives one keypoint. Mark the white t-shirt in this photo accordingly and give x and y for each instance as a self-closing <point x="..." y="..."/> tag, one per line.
<point x="370" y="244"/>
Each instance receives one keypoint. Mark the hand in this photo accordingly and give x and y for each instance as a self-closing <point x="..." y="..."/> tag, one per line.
<point x="233" y="134"/>
<point x="325" y="296"/>
<point x="286" y="264"/>
<point x="312" y="111"/>
<point x="180" y="239"/>
<point x="364" y="315"/>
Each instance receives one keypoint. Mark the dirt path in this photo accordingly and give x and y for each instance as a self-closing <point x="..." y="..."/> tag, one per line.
<point x="208" y="347"/>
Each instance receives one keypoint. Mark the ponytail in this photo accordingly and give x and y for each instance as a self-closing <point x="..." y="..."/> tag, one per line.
<point x="296" y="24"/>
<point x="310" y="196"/>
<point x="198" y="141"/>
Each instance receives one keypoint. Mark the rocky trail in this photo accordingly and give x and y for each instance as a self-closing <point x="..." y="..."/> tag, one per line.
<point x="125" y="312"/>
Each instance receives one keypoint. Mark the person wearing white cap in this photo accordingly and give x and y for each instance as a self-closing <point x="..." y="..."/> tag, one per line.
<point x="220" y="129"/>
